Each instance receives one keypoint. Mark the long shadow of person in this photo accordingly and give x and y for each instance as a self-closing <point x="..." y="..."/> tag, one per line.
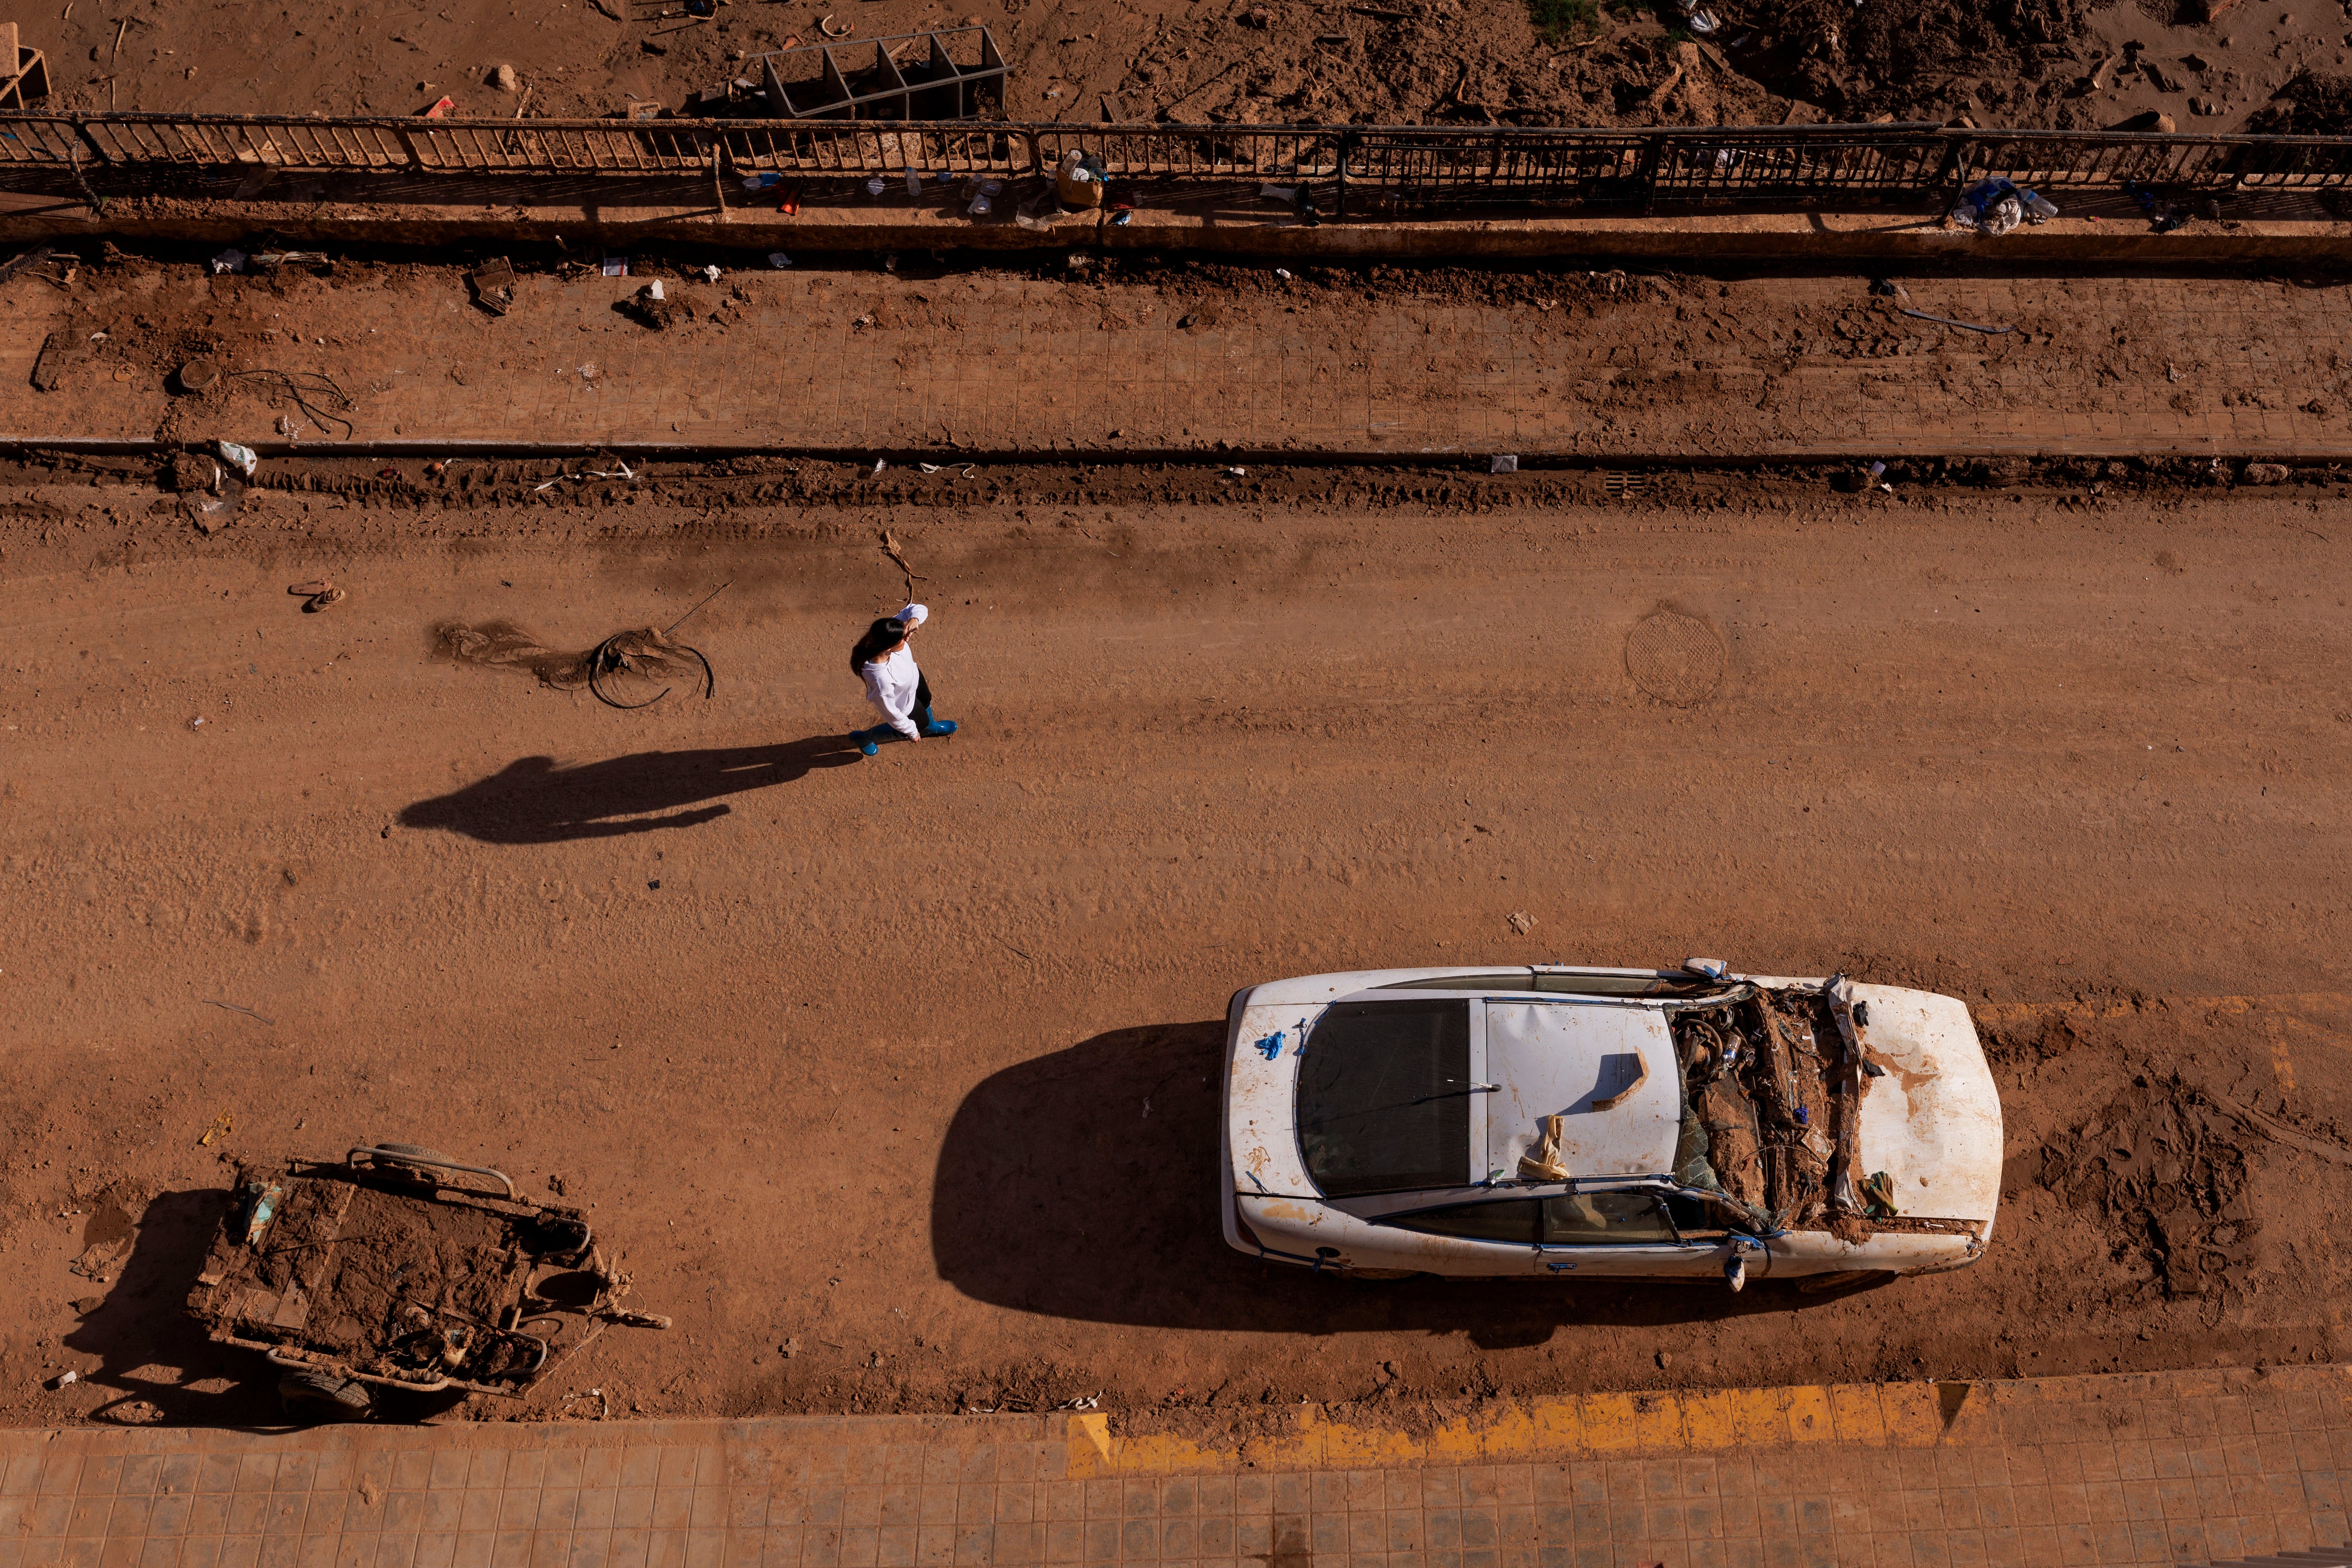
<point x="535" y="801"/>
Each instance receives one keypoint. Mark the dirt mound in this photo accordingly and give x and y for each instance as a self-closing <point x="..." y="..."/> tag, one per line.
<point x="2309" y="105"/>
<point x="1419" y="64"/>
<point x="503" y="643"/>
<point x="2162" y="1167"/>
<point x="1911" y="58"/>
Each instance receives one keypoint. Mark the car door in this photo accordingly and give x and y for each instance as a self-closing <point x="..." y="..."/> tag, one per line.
<point x="1624" y="1233"/>
<point x="1493" y="1235"/>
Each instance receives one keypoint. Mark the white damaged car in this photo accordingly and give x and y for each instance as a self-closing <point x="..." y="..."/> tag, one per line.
<point x="1627" y="1124"/>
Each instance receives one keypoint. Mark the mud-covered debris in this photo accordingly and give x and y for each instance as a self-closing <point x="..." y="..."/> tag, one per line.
<point x="2161" y="1169"/>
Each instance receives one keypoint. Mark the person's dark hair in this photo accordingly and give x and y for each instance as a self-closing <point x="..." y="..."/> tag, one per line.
<point x="880" y="636"/>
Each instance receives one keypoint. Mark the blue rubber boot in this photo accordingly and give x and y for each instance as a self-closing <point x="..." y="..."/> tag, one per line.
<point x="934" y="727"/>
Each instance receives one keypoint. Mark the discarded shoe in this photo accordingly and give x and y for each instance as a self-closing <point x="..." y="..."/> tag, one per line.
<point x="310" y="589"/>
<point x="939" y="727"/>
<point x="320" y="601"/>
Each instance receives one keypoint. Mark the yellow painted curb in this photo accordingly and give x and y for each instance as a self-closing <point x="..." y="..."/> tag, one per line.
<point x="1622" y="1425"/>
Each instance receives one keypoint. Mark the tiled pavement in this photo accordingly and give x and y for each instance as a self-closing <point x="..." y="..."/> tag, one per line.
<point x="2153" y="1468"/>
<point x="857" y="361"/>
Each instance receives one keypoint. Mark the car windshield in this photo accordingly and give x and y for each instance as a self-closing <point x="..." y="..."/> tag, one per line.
<point x="1384" y="1097"/>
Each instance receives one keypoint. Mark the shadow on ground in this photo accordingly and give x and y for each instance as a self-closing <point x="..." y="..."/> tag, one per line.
<point x="151" y="1351"/>
<point x="534" y="801"/>
<point x="152" y="1354"/>
<point x="1083" y="1185"/>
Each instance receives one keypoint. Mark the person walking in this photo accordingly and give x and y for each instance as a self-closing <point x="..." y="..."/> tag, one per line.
<point x="893" y="684"/>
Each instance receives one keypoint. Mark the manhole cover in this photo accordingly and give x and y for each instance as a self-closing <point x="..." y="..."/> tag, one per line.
<point x="1674" y="658"/>
<point x="1622" y="486"/>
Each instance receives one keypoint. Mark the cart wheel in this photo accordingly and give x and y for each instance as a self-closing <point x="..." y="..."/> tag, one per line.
<point x="313" y="1396"/>
<point x="1842" y="1284"/>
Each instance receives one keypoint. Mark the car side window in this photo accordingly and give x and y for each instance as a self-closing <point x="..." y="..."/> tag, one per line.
<point x="1512" y="1220"/>
<point x="1705" y="1214"/>
<point x="1605" y="1220"/>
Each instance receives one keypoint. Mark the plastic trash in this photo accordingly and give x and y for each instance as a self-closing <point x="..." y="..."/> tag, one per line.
<point x="979" y="206"/>
<point x="914" y="184"/>
<point x="710" y="275"/>
<point x="1503" y="463"/>
<point x="244" y="459"/>
<point x="874" y="187"/>
<point x="64" y="1379"/>
<point x="1996" y="207"/>
<point x="762" y="182"/>
<point x="779" y="260"/>
<point x="615" y="267"/>
<point x="229" y="261"/>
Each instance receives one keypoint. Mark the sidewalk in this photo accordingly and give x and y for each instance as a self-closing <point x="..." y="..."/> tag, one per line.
<point x="1196" y="218"/>
<point x="857" y="361"/>
<point x="2127" y="1470"/>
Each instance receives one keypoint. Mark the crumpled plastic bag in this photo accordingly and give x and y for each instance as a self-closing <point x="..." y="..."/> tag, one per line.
<point x="1995" y="207"/>
<point x="244" y="459"/>
<point x="1545" y="1163"/>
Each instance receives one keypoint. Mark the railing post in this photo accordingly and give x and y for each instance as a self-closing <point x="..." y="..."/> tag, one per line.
<point x="1948" y="172"/>
<point x="82" y="133"/>
<point x="1653" y="148"/>
<point x="1339" y="193"/>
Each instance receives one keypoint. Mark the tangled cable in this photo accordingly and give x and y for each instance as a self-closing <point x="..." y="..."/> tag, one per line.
<point x="296" y="385"/>
<point x="650" y="656"/>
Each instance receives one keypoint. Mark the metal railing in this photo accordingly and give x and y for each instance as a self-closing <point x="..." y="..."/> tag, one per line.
<point x="1411" y="165"/>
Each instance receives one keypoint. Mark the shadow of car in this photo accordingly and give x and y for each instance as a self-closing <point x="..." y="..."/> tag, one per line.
<point x="1084" y="1184"/>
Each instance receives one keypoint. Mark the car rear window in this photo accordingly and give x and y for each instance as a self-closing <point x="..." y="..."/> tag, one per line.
<point x="1384" y="1097"/>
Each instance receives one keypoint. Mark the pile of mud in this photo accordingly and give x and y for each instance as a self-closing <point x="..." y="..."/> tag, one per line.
<point x="1769" y="62"/>
<point x="2309" y="105"/>
<point x="2162" y="1169"/>
<point x="1911" y="58"/>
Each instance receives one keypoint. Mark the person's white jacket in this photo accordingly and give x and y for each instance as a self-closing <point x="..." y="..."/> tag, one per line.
<point x="890" y="684"/>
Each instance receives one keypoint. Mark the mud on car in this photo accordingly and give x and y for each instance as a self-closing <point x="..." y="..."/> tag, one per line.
<point x="1558" y="1121"/>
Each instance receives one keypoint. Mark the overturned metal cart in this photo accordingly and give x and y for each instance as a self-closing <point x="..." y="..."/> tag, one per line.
<point x="398" y="1268"/>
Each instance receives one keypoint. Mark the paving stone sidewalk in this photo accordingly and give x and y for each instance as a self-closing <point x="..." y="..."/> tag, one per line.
<point x="857" y="360"/>
<point x="2125" y="1469"/>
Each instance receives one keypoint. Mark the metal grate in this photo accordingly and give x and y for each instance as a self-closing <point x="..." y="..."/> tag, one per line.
<point x="818" y="148"/>
<point x="958" y="77"/>
<point x="1213" y="152"/>
<point x="1674" y="658"/>
<point x="1624" y="486"/>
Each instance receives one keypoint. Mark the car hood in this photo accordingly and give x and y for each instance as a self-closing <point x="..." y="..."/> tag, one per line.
<point x="1932" y="1120"/>
<point x="1264" y="1039"/>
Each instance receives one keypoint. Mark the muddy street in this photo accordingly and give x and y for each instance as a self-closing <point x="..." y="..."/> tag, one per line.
<point x="894" y="1079"/>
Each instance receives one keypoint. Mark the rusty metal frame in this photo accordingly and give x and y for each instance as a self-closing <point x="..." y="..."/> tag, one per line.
<point x="940" y="88"/>
<point x="1413" y="165"/>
